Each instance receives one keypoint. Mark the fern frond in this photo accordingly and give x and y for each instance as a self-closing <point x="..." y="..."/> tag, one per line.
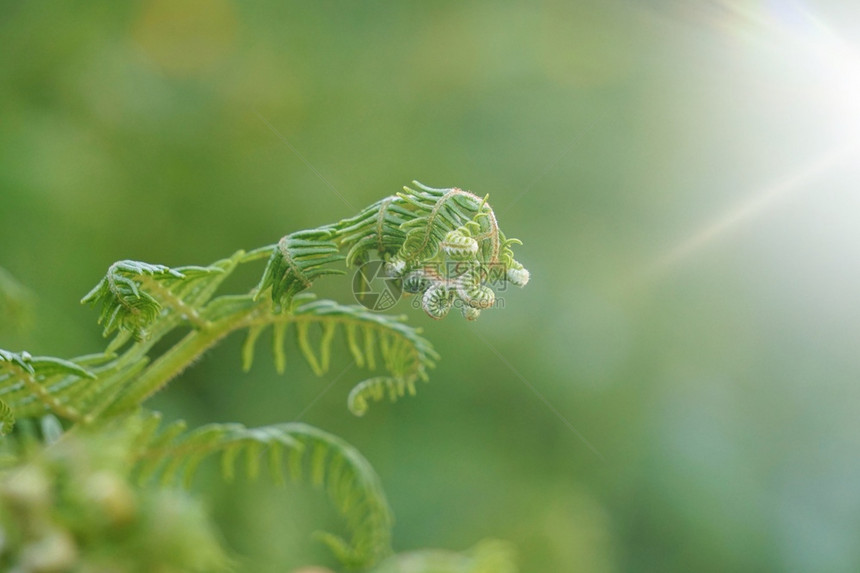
<point x="376" y="389"/>
<point x="32" y="385"/>
<point x="439" y="242"/>
<point x="376" y="228"/>
<point x="416" y="229"/>
<point x="432" y="228"/>
<point x="134" y="294"/>
<point x="296" y="261"/>
<point x="429" y="237"/>
<point x="313" y="324"/>
<point x="370" y="337"/>
<point x="295" y="449"/>
<point x="437" y="211"/>
<point x="409" y="226"/>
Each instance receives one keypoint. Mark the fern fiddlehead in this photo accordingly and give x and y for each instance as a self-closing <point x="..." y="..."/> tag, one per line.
<point x="443" y="245"/>
<point x="428" y="238"/>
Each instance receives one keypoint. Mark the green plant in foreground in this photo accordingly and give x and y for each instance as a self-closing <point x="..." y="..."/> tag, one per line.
<point x="66" y="503"/>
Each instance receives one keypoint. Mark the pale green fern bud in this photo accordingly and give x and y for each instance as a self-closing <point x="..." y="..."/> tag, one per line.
<point x="472" y="292"/>
<point x="395" y="267"/>
<point x="477" y="296"/>
<point x="470" y="312"/>
<point x="459" y="247"/>
<point x="437" y="301"/>
<point x="518" y="276"/>
<point x="416" y="282"/>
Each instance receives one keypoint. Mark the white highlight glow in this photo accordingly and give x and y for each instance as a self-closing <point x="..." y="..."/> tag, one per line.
<point x="830" y="70"/>
<point x="757" y="203"/>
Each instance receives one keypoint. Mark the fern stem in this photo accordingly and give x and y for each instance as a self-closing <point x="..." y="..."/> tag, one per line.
<point x="175" y="361"/>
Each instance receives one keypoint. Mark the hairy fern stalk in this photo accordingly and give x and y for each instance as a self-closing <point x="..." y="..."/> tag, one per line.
<point x="441" y="245"/>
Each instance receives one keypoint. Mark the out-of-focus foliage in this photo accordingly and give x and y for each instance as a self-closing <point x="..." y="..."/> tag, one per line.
<point x="489" y="556"/>
<point x="71" y="507"/>
<point x="15" y="302"/>
<point x="694" y="321"/>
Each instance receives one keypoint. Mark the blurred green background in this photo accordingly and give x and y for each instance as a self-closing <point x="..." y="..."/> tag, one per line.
<point x="684" y="177"/>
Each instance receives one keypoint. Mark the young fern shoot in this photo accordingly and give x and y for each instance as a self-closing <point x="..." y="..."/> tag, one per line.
<point x="442" y="245"/>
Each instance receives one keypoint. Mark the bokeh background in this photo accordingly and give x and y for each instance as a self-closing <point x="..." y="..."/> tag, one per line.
<point x="679" y="384"/>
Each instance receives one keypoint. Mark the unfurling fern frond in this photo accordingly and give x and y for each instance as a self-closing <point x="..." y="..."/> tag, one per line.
<point x="436" y="213"/>
<point x="515" y="272"/>
<point x="437" y="301"/>
<point x="133" y="295"/>
<point x="428" y="238"/>
<point x="296" y="261"/>
<point x="292" y="450"/>
<point x="418" y="233"/>
<point x="442" y="244"/>
<point x="445" y="243"/>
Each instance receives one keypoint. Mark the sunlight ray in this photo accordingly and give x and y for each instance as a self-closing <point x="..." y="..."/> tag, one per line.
<point x="756" y="204"/>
